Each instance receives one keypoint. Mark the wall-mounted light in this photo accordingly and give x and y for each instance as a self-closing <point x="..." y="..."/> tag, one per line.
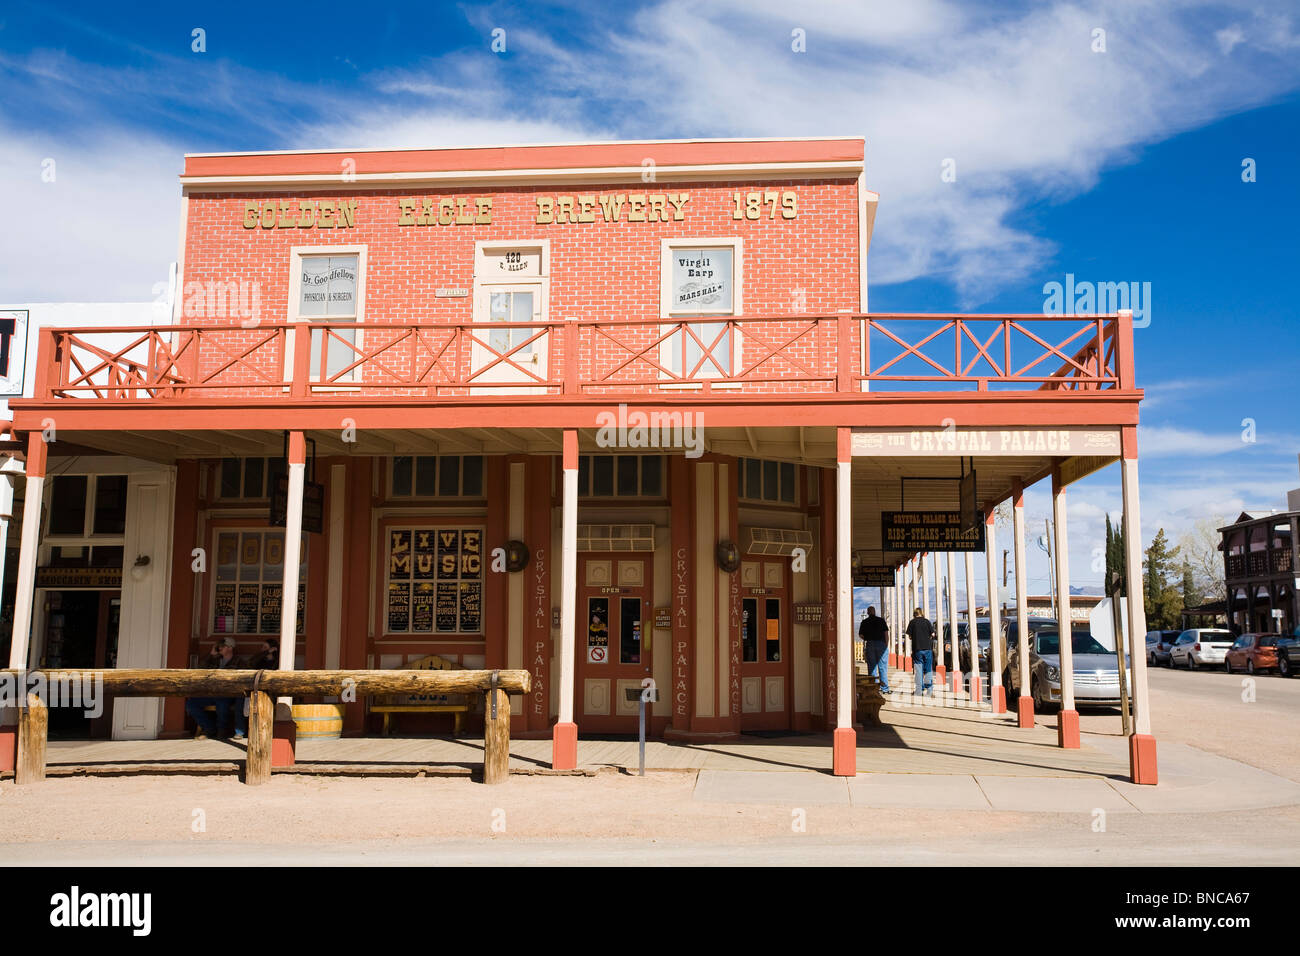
<point x="517" y="556"/>
<point x="140" y="568"/>
<point x="728" y="556"/>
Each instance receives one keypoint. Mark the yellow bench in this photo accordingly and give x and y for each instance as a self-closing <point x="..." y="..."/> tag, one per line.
<point x="457" y="704"/>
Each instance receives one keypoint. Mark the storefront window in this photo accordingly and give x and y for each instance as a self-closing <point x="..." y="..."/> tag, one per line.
<point x="620" y="476"/>
<point x="250" y="583"/>
<point x="437" y="476"/>
<point x="80" y="507"/>
<point x="760" y="480"/>
<point x="435" y="581"/>
<point x="248" y="477"/>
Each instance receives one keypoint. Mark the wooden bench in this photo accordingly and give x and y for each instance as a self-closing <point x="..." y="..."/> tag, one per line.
<point x="456" y="704"/>
<point x="870" y="700"/>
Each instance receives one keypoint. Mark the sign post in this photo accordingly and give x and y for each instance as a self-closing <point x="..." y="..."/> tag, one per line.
<point x="647" y="693"/>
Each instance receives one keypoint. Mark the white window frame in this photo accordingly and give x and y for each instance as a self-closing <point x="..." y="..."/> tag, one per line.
<point x="667" y="247"/>
<point x="485" y="283"/>
<point x="296" y="255"/>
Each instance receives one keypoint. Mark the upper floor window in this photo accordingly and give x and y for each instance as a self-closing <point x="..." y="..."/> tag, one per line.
<point x="328" y="286"/>
<point x="762" y="480"/>
<point x="248" y="477"/>
<point x="701" y="277"/>
<point x="86" y="505"/>
<point x="621" y="476"/>
<point x="437" y="476"/>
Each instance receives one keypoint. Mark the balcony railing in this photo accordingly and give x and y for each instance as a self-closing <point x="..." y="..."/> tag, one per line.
<point x="819" y="354"/>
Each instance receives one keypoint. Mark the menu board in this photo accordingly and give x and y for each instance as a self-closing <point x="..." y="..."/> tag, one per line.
<point x="223" y="609"/>
<point x="447" y="606"/>
<point x="247" y="609"/>
<point x="422" y="608"/>
<point x="448" y="556"/>
<point x="424" y="555"/>
<point x="399" y="554"/>
<point x="471" y="605"/>
<point x="271" y="594"/>
<point x="399" y="606"/>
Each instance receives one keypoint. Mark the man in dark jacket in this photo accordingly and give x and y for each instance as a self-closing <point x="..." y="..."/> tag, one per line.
<point x="212" y="725"/>
<point x="875" y="637"/>
<point x="921" y="631"/>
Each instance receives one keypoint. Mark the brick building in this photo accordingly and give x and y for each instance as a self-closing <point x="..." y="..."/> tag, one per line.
<point x="608" y="412"/>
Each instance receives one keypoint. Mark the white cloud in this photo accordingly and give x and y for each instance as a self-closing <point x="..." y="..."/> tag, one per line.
<point x="1228" y="38"/>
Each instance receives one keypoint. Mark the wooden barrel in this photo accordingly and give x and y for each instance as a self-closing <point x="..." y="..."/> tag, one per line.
<point x="317" y="721"/>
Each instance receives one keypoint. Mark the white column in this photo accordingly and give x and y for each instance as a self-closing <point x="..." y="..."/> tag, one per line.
<point x="844" y="752"/>
<point x="924" y="576"/>
<point x="292" y="564"/>
<point x="1022" y="606"/>
<point x="844" y="595"/>
<point x="1064" y="624"/>
<point x="996" y="692"/>
<point x="953" y="658"/>
<point x="1137" y="623"/>
<point x="568" y="591"/>
<point x="972" y="635"/>
<point x="564" y="739"/>
<point x="25" y="588"/>
<point x="938" y="612"/>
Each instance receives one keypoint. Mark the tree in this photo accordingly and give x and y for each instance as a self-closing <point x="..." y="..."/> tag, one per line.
<point x="1191" y="594"/>
<point x="1199" y="546"/>
<point x="1114" y="552"/>
<point x="1162" y="600"/>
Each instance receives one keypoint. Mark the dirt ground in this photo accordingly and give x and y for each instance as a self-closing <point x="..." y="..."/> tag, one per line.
<point x="298" y="818"/>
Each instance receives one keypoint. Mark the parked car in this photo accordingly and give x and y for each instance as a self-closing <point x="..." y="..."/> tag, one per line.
<point x="982" y="636"/>
<point x="1200" y="647"/>
<point x="1096" y="673"/>
<point x="1288" y="655"/>
<point x="1036" y="624"/>
<point x="1158" y="645"/>
<point x="1251" y="653"/>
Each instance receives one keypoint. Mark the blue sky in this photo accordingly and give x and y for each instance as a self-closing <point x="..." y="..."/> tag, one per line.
<point x="1115" y="165"/>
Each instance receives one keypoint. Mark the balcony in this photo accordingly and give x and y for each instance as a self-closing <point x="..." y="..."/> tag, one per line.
<point x="718" y="358"/>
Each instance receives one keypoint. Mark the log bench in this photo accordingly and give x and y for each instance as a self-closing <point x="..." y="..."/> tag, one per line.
<point x="262" y="687"/>
<point x="458" y="705"/>
<point x="870" y="700"/>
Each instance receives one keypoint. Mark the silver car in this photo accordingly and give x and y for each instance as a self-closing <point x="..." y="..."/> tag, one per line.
<point x="1096" y="674"/>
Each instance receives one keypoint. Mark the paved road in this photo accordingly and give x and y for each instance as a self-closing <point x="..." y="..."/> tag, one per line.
<point x="1252" y="719"/>
<point x="1066" y="840"/>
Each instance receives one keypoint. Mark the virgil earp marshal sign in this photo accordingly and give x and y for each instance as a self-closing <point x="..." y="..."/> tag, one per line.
<point x="928" y="531"/>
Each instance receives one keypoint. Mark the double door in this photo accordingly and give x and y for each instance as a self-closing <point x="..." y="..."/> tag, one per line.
<point x="612" y="645"/>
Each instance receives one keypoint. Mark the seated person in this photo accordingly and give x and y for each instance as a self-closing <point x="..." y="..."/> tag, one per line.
<point x="211" y="725"/>
<point x="267" y="658"/>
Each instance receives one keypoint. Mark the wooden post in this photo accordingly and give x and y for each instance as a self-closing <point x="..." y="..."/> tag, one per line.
<point x="261" y="718"/>
<point x="496" y="736"/>
<point x="33" y="728"/>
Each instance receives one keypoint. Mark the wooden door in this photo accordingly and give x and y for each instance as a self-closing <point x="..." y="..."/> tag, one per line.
<point x="612" y="646"/>
<point x="765" y="638"/>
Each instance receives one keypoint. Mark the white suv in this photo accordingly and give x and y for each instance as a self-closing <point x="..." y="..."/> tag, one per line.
<point x="1200" y="647"/>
